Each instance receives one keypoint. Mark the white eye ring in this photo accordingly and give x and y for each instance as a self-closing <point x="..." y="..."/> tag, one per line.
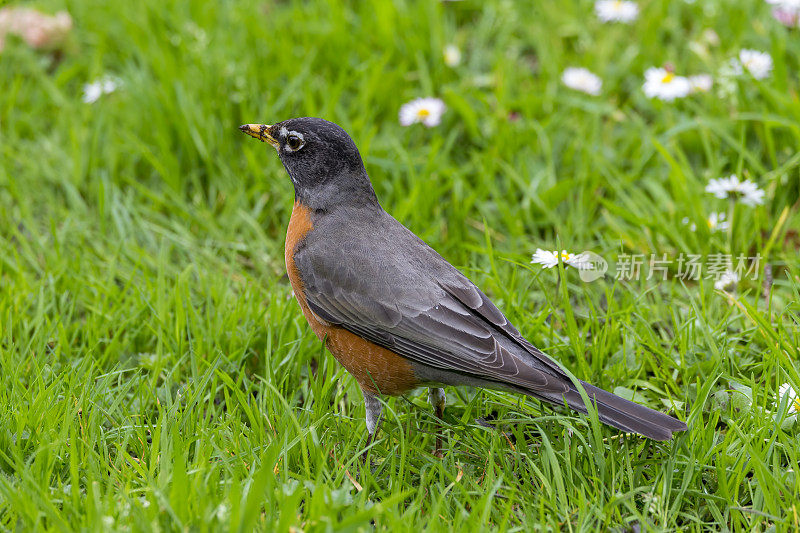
<point x="294" y="141"/>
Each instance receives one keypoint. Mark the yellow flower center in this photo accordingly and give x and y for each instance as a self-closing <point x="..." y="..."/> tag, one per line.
<point x="796" y="405"/>
<point x="668" y="77"/>
<point x="564" y="257"/>
<point x="422" y="113"/>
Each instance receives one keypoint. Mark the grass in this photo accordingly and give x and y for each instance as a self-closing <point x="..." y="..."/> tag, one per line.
<point x="155" y="372"/>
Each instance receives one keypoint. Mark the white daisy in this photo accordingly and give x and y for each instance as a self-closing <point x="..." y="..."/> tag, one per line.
<point x="787" y="17"/>
<point x="428" y="111"/>
<point x="720" y="187"/>
<point x="715" y="222"/>
<point x="105" y="85"/>
<point x="582" y="79"/>
<point x="787" y="12"/>
<point x="793" y="399"/>
<point x="789" y="5"/>
<point x="549" y="259"/>
<point x="746" y="191"/>
<point x="758" y="64"/>
<point x="700" y="83"/>
<point x="750" y="194"/>
<point x="452" y="55"/>
<point x="665" y="85"/>
<point x="727" y="280"/>
<point x="616" y="10"/>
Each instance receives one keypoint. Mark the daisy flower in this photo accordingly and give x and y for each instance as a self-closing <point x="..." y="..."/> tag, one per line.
<point x="616" y="10"/>
<point x="791" y="5"/>
<point x="700" y="83"/>
<point x="549" y="259"/>
<point x="452" y="55"/>
<point x="787" y="17"/>
<point x="793" y="399"/>
<point x="788" y="7"/>
<point x="746" y="191"/>
<point x="428" y="111"/>
<point x="105" y="85"/>
<point x="715" y="222"/>
<point x="727" y="280"/>
<point x="665" y="85"/>
<point x="787" y="12"/>
<point x="758" y="64"/>
<point x="582" y="79"/>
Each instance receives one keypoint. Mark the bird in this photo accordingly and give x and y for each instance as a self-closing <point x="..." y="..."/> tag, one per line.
<point x="394" y="312"/>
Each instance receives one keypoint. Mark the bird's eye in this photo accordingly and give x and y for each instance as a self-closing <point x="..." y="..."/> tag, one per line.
<point x="294" y="142"/>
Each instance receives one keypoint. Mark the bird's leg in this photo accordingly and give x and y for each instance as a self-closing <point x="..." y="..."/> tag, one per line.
<point x="374" y="407"/>
<point x="437" y="398"/>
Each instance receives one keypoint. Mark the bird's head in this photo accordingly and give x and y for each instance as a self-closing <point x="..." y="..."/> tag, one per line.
<point x="321" y="159"/>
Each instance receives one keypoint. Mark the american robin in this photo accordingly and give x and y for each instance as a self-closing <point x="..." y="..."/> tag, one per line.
<point x="394" y="312"/>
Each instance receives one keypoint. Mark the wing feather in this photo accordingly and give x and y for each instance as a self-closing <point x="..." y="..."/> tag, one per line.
<point x="444" y="333"/>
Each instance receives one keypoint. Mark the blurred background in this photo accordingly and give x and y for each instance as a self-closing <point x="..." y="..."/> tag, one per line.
<point x="155" y="370"/>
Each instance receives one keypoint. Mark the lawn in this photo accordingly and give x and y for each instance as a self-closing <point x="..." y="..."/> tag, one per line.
<point x="156" y="373"/>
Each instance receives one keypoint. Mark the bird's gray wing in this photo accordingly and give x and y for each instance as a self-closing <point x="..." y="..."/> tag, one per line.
<point x="423" y="309"/>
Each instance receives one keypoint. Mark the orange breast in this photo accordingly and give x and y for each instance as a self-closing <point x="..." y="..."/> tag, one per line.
<point x="376" y="369"/>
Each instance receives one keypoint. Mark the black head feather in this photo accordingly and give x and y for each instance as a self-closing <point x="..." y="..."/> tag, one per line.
<point x="323" y="162"/>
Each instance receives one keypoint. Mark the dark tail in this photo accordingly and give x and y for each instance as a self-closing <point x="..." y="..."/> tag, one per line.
<point x="623" y="414"/>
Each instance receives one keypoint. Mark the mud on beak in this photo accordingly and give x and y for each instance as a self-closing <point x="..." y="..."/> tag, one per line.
<point x="259" y="131"/>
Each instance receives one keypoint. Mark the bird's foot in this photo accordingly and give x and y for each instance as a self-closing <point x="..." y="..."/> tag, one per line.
<point x="437" y="399"/>
<point x="437" y="451"/>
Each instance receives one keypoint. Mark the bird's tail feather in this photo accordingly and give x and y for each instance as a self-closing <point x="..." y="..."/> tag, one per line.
<point x="622" y="414"/>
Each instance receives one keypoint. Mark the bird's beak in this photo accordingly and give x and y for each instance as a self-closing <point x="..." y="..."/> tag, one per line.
<point x="259" y="131"/>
